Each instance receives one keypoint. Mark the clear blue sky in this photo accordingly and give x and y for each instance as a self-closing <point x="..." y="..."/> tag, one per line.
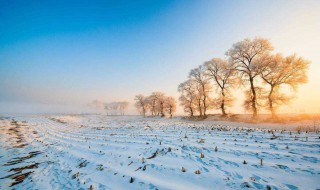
<point x="71" y="52"/>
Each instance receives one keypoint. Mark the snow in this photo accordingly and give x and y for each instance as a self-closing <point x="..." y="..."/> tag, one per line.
<point x="105" y="152"/>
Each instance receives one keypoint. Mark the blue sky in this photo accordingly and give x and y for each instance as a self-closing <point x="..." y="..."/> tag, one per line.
<point x="71" y="52"/>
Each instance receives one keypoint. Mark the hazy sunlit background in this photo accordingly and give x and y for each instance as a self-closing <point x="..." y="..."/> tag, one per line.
<point x="58" y="56"/>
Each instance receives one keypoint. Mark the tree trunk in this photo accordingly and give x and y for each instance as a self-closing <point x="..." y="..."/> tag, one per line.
<point x="144" y="112"/>
<point x="161" y="110"/>
<point x="273" y="113"/>
<point x="222" y="104"/>
<point x="204" y="106"/>
<point x="254" y="99"/>
<point x="200" y="110"/>
<point x="191" y="110"/>
<point x="153" y="108"/>
<point x="204" y="101"/>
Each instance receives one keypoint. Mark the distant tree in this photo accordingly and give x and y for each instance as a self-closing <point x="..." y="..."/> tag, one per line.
<point x="141" y="104"/>
<point x="290" y="70"/>
<point x="152" y="101"/>
<point x="250" y="56"/>
<point x="112" y="108"/>
<point x="156" y="101"/>
<point x="161" y="104"/>
<point x="123" y="106"/>
<point x="203" y="88"/>
<point x="187" y="98"/>
<point x="170" y="105"/>
<point x="223" y="75"/>
<point x="97" y="104"/>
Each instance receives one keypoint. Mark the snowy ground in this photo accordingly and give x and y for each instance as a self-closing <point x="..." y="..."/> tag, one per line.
<point x="79" y="151"/>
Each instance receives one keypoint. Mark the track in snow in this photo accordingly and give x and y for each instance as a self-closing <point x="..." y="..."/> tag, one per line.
<point x="104" y="152"/>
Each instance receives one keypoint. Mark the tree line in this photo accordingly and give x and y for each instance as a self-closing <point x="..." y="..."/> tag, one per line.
<point x="157" y="104"/>
<point x="250" y="65"/>
<point x="111" y="108"/>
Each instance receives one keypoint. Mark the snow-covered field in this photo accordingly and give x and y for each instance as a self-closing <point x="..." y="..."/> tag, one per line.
<point x="104" y="152"/>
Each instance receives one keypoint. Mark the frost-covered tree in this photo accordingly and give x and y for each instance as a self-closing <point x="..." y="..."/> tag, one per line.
<point x="187" y="98"/>
<point x="115" y="108"/>
<point x="156" y="101"/>
<point x="222" y="73"/>
<point x="123" y="107"/>
<point x="161" y="99"/>
<point x="250" y="57"/>
<point x="170" y="105"/>
<point x="111" y="108"/>
<point x="141" y="104"/>
<point x="199" y="99"/>
<point x="97" y="104"/>
<point x="152" y="101"/>
<point x="290" y="71"/>
<point x="203" y="88"/>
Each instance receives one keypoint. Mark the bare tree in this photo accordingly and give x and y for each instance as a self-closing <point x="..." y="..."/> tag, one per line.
<point x="115" y="108"/>
<point x="156" y="101"/>
<point x="290" y="70"/>
<point x="97" y="104"/>
<point x="250" y="57"/>
<point x="111" y="108"/>
<point x="187" y="98"/>
<point x="223" y="75"/>
<point x="160" y="103"/>
<point x="123" y="106"/>
<point x="170" y="105"/>
<point x="203" y="87"/>
<point x="152" y="100"/>
<point x="141" y="104"/>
